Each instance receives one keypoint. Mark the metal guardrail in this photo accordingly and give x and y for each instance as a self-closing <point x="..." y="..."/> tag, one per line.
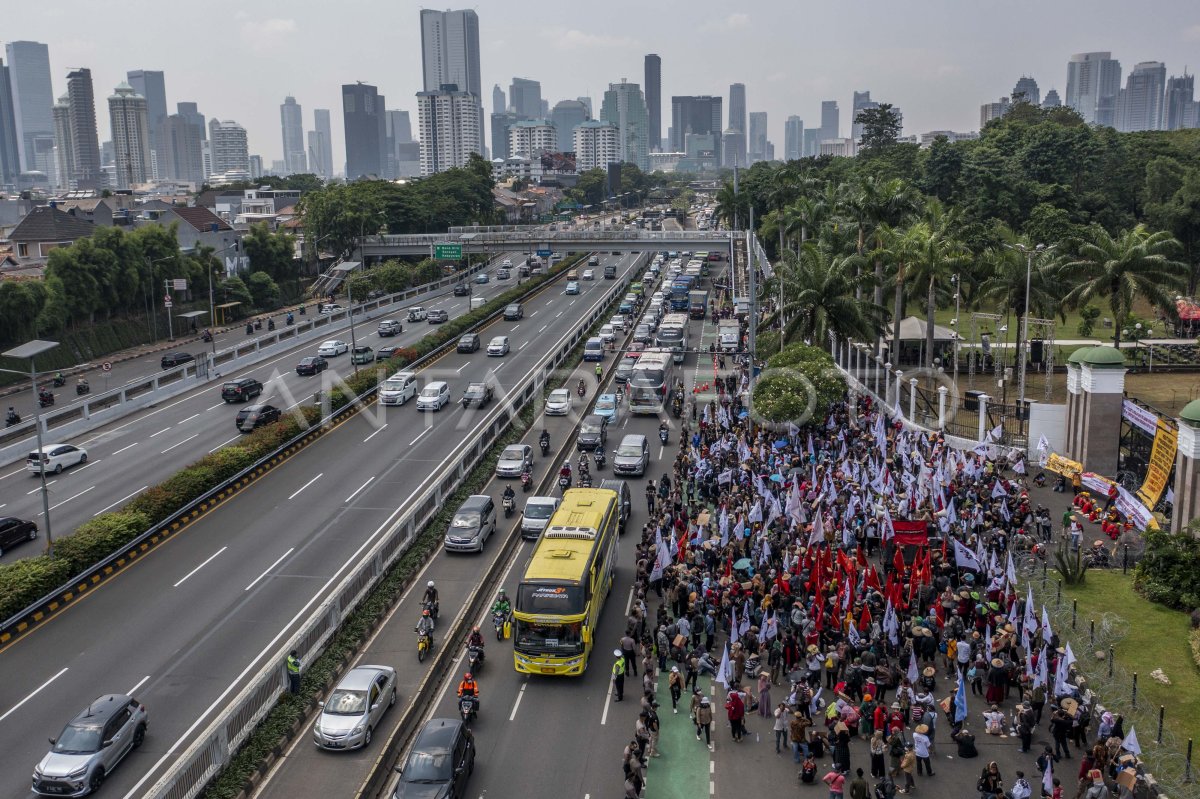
<point x="562" y="239"/>
<point x="211" y="751"/>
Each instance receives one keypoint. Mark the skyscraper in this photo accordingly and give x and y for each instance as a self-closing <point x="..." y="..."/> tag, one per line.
<point x="151" y="84"/>
<point x="862" y="102"/>
<point x="793" y="138"/>
<point x="29" y="76"/>
<point x="700" y="116"/>
<point x="321" y="146"/>
<point x="1028" y="88"/>
<point x="85" y="142"/>
<point x="757" y="142"/>
<point x="449" y="123"/>
<point x="188" y="136"/>
<point x="990" y="111"/>
<point x="1093" y="83"/>
<point x="1140" y="103"/>
<point x="1051" y="99"/>
<point x="566" y="116"/>
<point x="812" y="142"/>
<point x="63" y="174"/>
<point x="499" y="104"/>
<point x="654" y="103"/>
<point x="525" y="97"/>
<point x="291" y="121"/>
<point x="501" y="122"/>
<point x="737" y="121"/>
<point x="1180" y="100"/>
<point x="397" y="131"/>
<point x="587" y="102"/>
<point x="625" y="107"/>
<point x="362" y="113"/>
<point x="10" y="159"/>
<point x="230" y="151"/>
<point x="830" y="122"/>
<point x="450" y="55"/>
<point x="128" y="114"/>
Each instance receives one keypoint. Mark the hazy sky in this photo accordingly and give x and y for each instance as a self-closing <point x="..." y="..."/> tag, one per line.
<point x="938" y="60"/>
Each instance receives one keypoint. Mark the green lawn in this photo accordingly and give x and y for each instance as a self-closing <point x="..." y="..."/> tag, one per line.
<point x="1157" y="639"/>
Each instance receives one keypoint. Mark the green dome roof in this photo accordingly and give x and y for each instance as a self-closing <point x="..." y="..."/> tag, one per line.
<point x="1191" y="413"/>
<point x="1077" y="356"/>
<point x="1104" y="357"/>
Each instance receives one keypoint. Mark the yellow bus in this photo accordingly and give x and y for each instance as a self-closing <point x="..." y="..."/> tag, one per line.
<point x="566" y="582"/>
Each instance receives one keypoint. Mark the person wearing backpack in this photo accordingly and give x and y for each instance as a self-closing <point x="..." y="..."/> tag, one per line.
<point x="896" y="752"/>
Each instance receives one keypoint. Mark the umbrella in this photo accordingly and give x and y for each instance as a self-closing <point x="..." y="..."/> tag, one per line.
<point x="781" y="443"/>
<point x="743" y="414"/>
<point x="742" y="564"/>
<point x="776" y="478"/>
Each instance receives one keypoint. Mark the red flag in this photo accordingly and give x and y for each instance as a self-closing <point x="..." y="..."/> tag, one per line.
<point x="940" y="612"/>
<point x="819" y="616"/>
<point x="898" y="561"/>
<point x="871" y="578"/>
<point x="861" y="557"/>
<point x="864" y="623"/>
<point x="945" y="539"/>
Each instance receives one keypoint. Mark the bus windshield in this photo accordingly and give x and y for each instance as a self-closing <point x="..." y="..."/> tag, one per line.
<point x="557" y="639"/>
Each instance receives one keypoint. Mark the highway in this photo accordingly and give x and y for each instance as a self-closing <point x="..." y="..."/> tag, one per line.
<point x="139" y="450"/>
<point x="184" y="629"/>
<point x="537" y="738"/>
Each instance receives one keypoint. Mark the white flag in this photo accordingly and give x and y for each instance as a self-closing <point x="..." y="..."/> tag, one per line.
<point x="1043" y="443"/>
<point x="998" y="490"/>
<point x="662" y="557"/>
<point x="1043" y="672"/>
<point x="1019" y="466"/>
<point x="1010" y="570"/>
<point x="913" y="674"/>
<point x="965" y="558"/>
<point x="1048" y="777"/>
<point x="853" y="635"/>
<point x="818" y="532"/>
<point x="1030" y="617"/>
<point x="1047" y="633"/>
<point x="1061" y="687"/>
<point x="724" y="672"/>
<point x="1130" y="744"/>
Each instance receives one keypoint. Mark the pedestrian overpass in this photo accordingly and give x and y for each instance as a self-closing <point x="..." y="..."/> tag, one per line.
<point x="540" y="239"/>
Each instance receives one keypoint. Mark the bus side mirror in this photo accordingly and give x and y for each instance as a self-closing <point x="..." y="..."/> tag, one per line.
<point x="587" y="634"/>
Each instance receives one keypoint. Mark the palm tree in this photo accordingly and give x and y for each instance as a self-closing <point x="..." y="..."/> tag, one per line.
<point x="936" y="255"/>
<point x="733" y="207"/>
<point x="819" y="287"/>
<point x="1004" y="287"/>
<point x="1134" y="264"/>
<point x="802" y="216"/>
<point x="782" y="190"/>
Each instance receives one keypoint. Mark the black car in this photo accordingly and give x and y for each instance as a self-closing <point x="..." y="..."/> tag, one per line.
<point x="461" y="289"/>
<point x="478" y="394"/>
<point x="439" y="763"/>
<point x="468" y="342"/>
<point x="241" y="390"/>
<point x="437" y="316"/>
<point x="14" y="531"/>
<point x="253" y="417"/>
<point x="384" y="353"/>
<point x="176" y="358"/>
<point x="593" y="432"/>
<point x="311" y="365"/>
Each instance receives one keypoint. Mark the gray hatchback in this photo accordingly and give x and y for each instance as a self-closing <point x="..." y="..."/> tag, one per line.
<point x="91" y="746"/>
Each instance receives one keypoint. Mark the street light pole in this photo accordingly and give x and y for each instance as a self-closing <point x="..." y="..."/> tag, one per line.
<point x="1021" y="343"/>
<point x="31" y="350"/>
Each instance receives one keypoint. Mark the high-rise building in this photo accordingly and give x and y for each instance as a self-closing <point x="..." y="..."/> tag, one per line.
<point x="525" y="98"/>
<point x="654" y="102"/>
<point x="990" y="111"/>
<point x="10" y="158"/>
<point x="129" y="115"/>
<point x="733" y="146"/>
<point x="793" y="138"/>
<point x="316" y="150"/>
<point x="596" y="144"/>
<point x="757" y="142"/>
<point x="696" y="116"/>
<point x="1140" y="103"/>
<point x="529" y="138"/>
<point x="256" y="167"/>
<point x="188" y="136"/>
<point x="397" y="130"/>
<point x="830" y="120"/>
<point x="862" y="102"/>
<point x="587" y="102"/>
<point x="737" y="121"/>
<point x="450" y="125"/>
<point x="362" y="113"/>
<point x="812" y="142"/>
<point x="500" y="124"/>
<point x="1093" y="83"/>
<point x="64" y="149"/>
<point x="1028" y="88"/>
<point x="291" y="122"/>
<point x="151" y="84"/>
<point x="230" y="151"/>
<point x="1051" y="99"/>
<point x="566" y="116"/>
<point x="450" y="55"/>
<point x="85" y="141"/>
<point x="499" y="104"/>
<point x="320" y="160"/>
<point x="29" y="76"/>
<point x="625" y="107"/>
<point x="1180" y="102"/>
<point x="545" y="106"/>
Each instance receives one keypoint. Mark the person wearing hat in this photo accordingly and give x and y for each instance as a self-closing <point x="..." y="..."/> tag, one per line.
<point x="618" y="675"/>
<point x="798" y="735"/>
<point x="921" y="744"/>
<point x="704" y="720"/>
<point x="1098" y="789"/>
<point x="908" y="763"/>
<point x="1060" y="728"/>
<point x="675" y="683"/>
<point x="1026" y="723"/>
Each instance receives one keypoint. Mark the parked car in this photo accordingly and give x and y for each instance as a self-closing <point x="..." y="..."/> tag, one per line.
<point x="606" y="406"/>
<point x="311" y="365"/>
<point x="437" y="317"/>
<point x="513" y="460"/>
<point x="349" y="716"/>
<point x="55" y="458"/>
<point x="468" y="342"/>
<point x="390" y="327"/>
<point x="91" y="746"/>
<point x="439" y="763"/>
<point x="253" y="417"/>
<point x="14" y="531"/>
<point x="478" y="394"/>
<point x="593" y="432"/>
<point x="558" y="403"/>
<point x="241" y="390"/>
<point x="472" y="525"/>
<point x="362" y="355"/>
<point x="332" y="348"/>
<point x="173" y="359"/>
<point x="498" y="346"/>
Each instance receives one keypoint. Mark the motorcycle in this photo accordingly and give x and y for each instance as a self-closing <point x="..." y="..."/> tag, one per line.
<point x="677" y="407"/>
<point x="258" y="324"/>
<point x="59" y="381"/>
<point x="474" y="659"/>
<point x="510" y="505"/>
<point x="12" y="419"/>
<point x="424" y="644"/>
<point x="582" y="390"/>
<point x="45" y="399"/>
<point x="468" y="707"/>
<point x="585" y="481"/>
<point x="249" y="329"/>
<point x="526" y="481"/>
<point x="564" y="481"/>
<point x="545" y="442"/>
<point x="600" y="458"/>
<point x="206" y="337"/>
<point x="82" y="388"/>
<point x="291" y="320"/>
<point x="270" y="324"/>
<point x="498" y="623"/>
<point x="432" y="607"/>
<point x="663" y="434"/>
<point x="302" y="311"/>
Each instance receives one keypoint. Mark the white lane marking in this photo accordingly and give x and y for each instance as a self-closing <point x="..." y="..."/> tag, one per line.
<point x="223" y="443"/>
<point x="306" y="485"/>
<point x="661" y="450"/>
<point x="181" y="443"/>
<point x="543" y="328"/>
<point x="377" y="432"/>
<point x="629" y="602"/>
<point x="4" y="505"/>
<point x="560" y="313"/>
<point x="190" y="418"/>
<point x="361" y="487"/>
<point x="517" y="703"/>
<point x="267" y="570"/>
<point x="518" y="324"/>
<point x="122" y="449"/>
<point x="118" y="502"/>
<point x="418" y="438"/>
<point x="498" y="368"/>
<point x="39" y="488"/>
<point x="160" y="432"/>
<point x="68" y="499"/>
<point x="607" y="699"/>
<point x="523" y="346"/>
<point x="464" y="366"/>
<point x="10" y="474"/>
<point x="88" y="465"/>
<point x="218" y="405"/>
<point x="573" y="301"/>
<point x="201" y="566"/>
<point x="535" y="313"/>
<point x="36" y="691"/>
<point x="141" y="682"/>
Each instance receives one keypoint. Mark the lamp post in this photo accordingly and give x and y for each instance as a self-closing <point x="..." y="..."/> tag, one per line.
<point x="1029" y="253"/>
<point x="350" y="299"/>
<point x="31" y="350"/>
<point x="957" y="281"/>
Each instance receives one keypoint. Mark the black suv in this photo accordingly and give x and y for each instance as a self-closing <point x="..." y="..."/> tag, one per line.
<point x="242" y="390"/>
<point x="478" y="394"/>
<point x="14" y="531"/>
<point x="468" y="342"/>
<point x="175" y="359"/>
<point x="461" y="289"/>
<point x="253" y="417"/>
<point x="593" y="432"/>
<point x="439" y="763"/>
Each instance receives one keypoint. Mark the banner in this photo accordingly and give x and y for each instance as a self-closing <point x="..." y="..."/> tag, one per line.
<point x="1158" y="470"/>
<point x="1140" y="417"/>
<point x="911" y="533"/>
<point x="1064" y="466"/>
<point x="1127" y="504"/>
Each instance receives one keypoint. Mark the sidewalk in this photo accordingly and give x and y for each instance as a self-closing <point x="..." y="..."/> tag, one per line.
<point x="685" y="766"/>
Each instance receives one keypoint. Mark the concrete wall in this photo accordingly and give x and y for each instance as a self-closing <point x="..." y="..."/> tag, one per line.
<point x="1049" y="421"/>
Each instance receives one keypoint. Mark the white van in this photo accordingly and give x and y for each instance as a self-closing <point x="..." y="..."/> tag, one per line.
<point x="433" y="396"/>
<point x="398" y="389"/>
<point x="478" y="302"/>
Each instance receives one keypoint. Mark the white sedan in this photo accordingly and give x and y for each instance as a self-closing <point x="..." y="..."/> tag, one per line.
<point x="55" y="458"/>
<point x="558" y="403"/>
<point x="332" y="348"/>
<point x="498" y="346"/>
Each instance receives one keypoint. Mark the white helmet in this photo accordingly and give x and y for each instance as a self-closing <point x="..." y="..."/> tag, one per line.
<point x="430" y="583"/>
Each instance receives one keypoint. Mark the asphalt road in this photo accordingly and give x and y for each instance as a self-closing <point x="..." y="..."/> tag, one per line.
<point x="139" y="450"/>
<point x="215" y="603"/>
<point x="536" y="737"/>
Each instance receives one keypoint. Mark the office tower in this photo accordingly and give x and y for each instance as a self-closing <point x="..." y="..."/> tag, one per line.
<point x="85" y="142"/>
<point x="1093" y="83"/>
<point x="696" y="116"/>
<point x="654" y="102"/>
<point x="10" y="158"/>
<point x="362" y="114"/>
<point x="1180" y="99"/>
<point x="812" y="142"/>
<point x="291" y="122"/>
<point x="397" y="131"/>
<point x="757" y="139"/>
<point x="587" y="102"/>
<point x="187" y="135"/>
<point x="29" y="76"/>
<point x="450" y="125"/>
<point x="737" y="121"/>
<point x="499" y="104"/>
<point x="320" y="145"/>
<point x="793" y="138"/>
<point x="1140" y="103"/>
<point x="525" y="98"/>
<point x="862" y="102"/>
<point x="830" y="121"/>
<point x="151" y="84"/>
<point x="625" y="107"/>
<point x="545" y="106"/>
<point x="500" y="123"/>
<point x="1051" y="99"/>
<point x="1028" y="88"/>
<point x="733" y="145"/>
<point x="256" y="166"/>
<point x="529" y="138"/>
<point x="990" y="111"/>
<point x="129" y="115"/>
<point x="596" y="144"/>
<point x="450" y="55"/>
<point x="230" y="151"/>
<point x="566" y="116"/>
<point x="64" y="158"/>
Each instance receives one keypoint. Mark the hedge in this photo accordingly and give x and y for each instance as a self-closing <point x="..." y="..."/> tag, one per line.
<point x="1169" y="571"/>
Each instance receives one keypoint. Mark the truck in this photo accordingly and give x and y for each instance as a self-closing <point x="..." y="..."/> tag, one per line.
<point x="729" y="335"/>
<point x="610" y="271"/>
<point x="697" y="304"/>
<point x="680" y="289"/>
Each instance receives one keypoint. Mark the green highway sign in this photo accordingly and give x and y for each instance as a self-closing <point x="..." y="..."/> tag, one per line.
<point x="447" y="252"/>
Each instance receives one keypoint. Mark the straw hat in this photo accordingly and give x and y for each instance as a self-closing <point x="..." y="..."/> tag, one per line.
<point x="997" y="662"/>
<point x="1069" y="705"/>
<point x="929" y="671"/>
<point x="812" y="649"/>
<point x="922" y="728"/>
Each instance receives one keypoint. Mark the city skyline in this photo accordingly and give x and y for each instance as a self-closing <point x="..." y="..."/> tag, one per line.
<point x="939" y="74"/>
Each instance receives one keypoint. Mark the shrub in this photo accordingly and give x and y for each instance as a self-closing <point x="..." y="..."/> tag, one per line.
<point x="98" y="538"/>
<point x="23" y="582"/>
<point x="1169" y="571"/>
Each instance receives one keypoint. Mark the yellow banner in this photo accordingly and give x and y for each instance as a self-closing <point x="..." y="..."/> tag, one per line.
<point x="1158" y="471"/>
<point x="1064" y="466"/>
